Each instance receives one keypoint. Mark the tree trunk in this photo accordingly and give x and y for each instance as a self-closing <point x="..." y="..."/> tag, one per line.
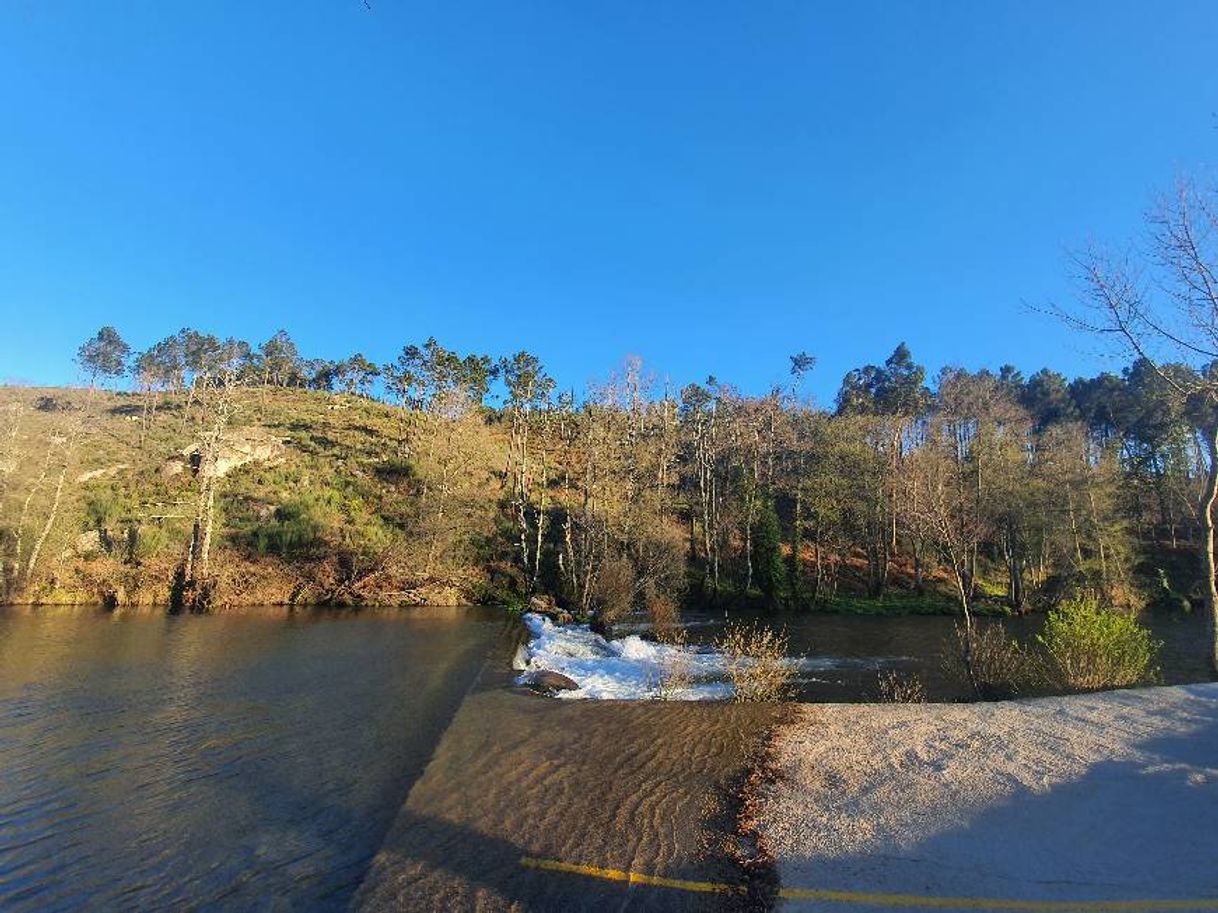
<point x="50" y="522"/>
<point x="1206" y="516"/>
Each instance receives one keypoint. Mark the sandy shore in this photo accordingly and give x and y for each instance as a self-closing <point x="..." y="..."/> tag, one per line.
<point x="641" y="787"/>
<point x="1109" y="796"/>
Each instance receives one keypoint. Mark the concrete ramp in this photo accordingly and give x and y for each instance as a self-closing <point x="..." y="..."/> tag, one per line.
<point x="526" y="796"/>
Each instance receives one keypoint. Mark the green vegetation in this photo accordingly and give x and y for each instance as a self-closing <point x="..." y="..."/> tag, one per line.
<point x="234" y="475"/>
<point x="231" y="473"/>
<point x="1088" y="648"/>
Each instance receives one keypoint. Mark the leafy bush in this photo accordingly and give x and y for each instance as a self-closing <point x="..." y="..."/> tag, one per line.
<point x="145" y="541"/>
<point x="757" y="663"/>
<point x="1089" y="648"/>
<point x="299" y="524"/>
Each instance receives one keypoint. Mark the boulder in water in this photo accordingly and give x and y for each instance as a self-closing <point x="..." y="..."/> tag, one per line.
<point x="544" y="681"/>
<point x="545" y="605"/>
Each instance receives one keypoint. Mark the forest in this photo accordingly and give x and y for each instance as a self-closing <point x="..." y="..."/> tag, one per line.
<point x="206" y="471"/>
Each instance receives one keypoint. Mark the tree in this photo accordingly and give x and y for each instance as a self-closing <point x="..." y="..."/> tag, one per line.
<point x="280" y="360"/>
<point x="103" y="356"/>
<point x="195" y="586"/>
<point x="357" y="374"/>
<point x="1047" y="396"/>
<point x="529" y="390"/>
<point x="1165" y="310"/>
<point x="767" y="546"/>
<point x="896" y="394"/>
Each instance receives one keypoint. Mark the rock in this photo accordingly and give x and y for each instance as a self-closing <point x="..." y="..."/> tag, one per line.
<point x="544" y="681"/>
<point x="542" y="604"/>
<point x="101" y="473"/>
<point x="520" y="661"/>
<point x="87" y="543"/>
<point x="545" y="605"/>
<point x="249" y="446"/>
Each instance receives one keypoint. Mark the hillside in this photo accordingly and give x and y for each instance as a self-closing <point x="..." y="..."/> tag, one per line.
<point x="317" y="500"/>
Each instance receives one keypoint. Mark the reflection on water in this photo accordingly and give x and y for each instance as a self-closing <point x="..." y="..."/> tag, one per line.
<point x="249" y="761"/>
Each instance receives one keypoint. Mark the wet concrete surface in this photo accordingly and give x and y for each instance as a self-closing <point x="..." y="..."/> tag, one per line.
<point x="638" y="787"/>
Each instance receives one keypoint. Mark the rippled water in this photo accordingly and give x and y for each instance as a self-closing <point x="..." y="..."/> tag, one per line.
<point x="248" y="762"/>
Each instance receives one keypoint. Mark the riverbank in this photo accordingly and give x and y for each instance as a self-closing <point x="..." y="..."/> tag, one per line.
<point x="1100" y="797"/>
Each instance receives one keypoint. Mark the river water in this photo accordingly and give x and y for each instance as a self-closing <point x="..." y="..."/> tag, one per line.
<point x="235" y="762"/>
<point x="255" y="761"/>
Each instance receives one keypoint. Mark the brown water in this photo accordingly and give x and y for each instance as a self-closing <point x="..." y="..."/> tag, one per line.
<point x="235" y="762"/>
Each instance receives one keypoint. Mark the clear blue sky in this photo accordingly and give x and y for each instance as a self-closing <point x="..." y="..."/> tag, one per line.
<point x="709" y="185"/>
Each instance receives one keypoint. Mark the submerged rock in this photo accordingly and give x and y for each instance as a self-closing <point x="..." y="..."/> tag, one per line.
<point x="543" y="681"/>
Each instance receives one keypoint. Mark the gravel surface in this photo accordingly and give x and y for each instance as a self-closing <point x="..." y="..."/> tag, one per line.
<point x="1092" y="797"/>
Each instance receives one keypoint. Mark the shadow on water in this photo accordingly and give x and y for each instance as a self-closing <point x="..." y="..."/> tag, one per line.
<point x="232" y="762"/>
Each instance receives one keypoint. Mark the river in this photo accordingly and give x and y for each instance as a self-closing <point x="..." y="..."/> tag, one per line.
<point x="237" y="762"/>
<point x="257" y="760"/>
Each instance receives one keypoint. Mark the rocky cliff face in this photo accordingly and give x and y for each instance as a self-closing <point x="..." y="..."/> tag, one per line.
<point x="237" y="448"/>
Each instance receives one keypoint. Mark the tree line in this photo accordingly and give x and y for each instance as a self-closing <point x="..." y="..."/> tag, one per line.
<point x="635" y="493"/>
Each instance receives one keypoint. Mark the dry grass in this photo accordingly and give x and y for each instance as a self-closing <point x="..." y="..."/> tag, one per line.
<point x="757" y="663"/>
<point x="900" y="688"/>
<point x="675" y="674"/>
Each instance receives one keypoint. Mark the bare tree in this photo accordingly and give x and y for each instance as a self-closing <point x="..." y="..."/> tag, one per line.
<point x="1163" y="308"/>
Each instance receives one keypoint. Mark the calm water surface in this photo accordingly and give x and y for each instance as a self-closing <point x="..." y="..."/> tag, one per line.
<point x="849" y="652"/>
<point x="236" y="762"/>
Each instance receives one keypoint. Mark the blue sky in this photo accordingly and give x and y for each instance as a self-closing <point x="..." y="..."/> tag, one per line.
<point x="712" y="186"/>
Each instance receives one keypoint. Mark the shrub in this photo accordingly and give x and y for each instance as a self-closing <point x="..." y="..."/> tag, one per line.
<point x="898" y="688"/>
<point x="299" y="524"/>
<point x="757" y="663"/>
<point x="145" y="541"/>
<point x="614" y="589"/>
<point x="666" y="619"/>
<point x="1003" y="668"/>
<point x="674" y="673"/>
<point x="1089" y="648"/>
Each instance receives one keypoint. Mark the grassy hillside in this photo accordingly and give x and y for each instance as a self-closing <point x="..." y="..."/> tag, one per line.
<point x="335" y="498"/>
<point x="319" y="500"/>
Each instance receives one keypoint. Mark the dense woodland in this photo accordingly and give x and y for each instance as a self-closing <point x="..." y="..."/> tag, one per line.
<point x="207" y="471"/>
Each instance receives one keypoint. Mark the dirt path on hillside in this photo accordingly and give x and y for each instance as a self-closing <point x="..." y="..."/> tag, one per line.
<point x="643" y="787"/>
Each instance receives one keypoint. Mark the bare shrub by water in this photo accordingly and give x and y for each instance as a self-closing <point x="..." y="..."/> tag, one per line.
<point x="901" y="688"/>
<point x="1002" y="667"/>
<point x="673" y="674"/>
<point x="757" y="663"/>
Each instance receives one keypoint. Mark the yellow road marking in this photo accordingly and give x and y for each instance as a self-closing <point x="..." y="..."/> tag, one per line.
<point x="925" y="901"/>
<point x="575" y="868"/>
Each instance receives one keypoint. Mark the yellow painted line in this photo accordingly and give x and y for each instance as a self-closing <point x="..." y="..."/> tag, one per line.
<point x="924" y="901"/>
<point x="575" y="868"/>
